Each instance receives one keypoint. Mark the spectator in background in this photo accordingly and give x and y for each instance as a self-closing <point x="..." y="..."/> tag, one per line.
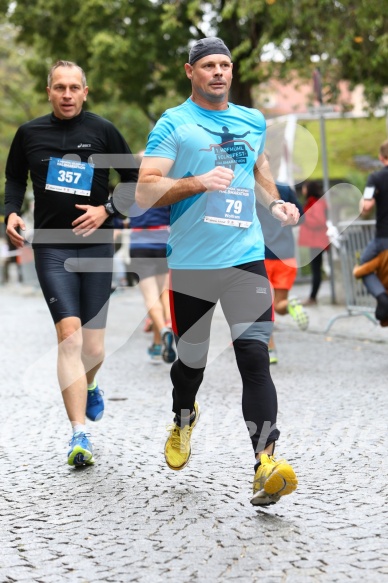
<point x="376" y="196"/>
<point x="379" y="267"/>
<point x="11" y="256"/>
<point x="121" y="256"/>
<point x="280" y="263"/>
<point x="312" y="234"/>
<point x="148" y="251"/>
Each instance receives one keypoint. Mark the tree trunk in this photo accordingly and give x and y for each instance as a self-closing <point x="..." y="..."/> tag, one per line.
<point x="241" y="91"/>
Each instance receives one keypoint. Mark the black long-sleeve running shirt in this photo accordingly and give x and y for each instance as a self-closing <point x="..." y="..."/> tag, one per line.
<point x="85" y="138"/>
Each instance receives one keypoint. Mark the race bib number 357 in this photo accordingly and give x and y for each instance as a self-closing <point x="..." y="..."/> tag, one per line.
<point x="232" y="207"/>
<point x="69" y="176"/>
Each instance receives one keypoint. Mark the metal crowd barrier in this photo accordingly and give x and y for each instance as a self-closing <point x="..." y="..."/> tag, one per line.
<point x="353" y="239"/>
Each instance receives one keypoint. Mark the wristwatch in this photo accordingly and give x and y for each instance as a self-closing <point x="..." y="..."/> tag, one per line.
<point x="109" y="207"/>
<point x="276" y="201"/>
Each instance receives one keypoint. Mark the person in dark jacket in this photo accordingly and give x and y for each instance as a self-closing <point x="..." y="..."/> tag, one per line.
<point x="313" y="234"/>
<point x="68" y="154"/>
<point x="148" y="251"/>
<point x="376" y="196"/>
<point x="281" y="265"/>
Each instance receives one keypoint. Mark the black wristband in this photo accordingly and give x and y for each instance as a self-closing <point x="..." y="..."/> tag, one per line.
<point x="276" y="201"/>
<point x="110" y="207"/>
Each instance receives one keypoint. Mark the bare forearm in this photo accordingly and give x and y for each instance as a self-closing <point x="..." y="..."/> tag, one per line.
<point x="366" y="206"/>
<point x="265" y="187"/>
<point x="155" y="191"/>
<point x="266" y="192"/>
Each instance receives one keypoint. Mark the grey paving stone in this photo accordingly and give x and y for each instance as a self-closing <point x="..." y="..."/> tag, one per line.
<point x="130" y="518"/>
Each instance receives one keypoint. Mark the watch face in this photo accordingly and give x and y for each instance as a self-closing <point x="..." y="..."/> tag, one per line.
<point x="109" y="208"/>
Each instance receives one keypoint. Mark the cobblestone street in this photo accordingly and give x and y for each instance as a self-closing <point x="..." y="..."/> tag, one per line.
<point x="130" y="518"/>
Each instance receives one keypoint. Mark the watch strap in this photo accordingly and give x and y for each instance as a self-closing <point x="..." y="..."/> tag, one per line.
<point x="276" y="201"/>
<point x="109" y="203"/>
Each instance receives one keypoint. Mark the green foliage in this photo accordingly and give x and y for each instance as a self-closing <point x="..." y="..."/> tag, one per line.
<point x="118" y="44"/>
<point x="347" y="39"/>
<point x="357" y="178"/>
<point x="19" y="102"/>
<point x="139" y="46"/>
<point x="346" y="139"/>
<point x="129" y="119"/>
<point x="3" y="9"/>
<point x="133" y="52"/>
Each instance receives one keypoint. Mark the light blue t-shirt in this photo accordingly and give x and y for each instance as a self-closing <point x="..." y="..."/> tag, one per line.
<point x="220" y="229"/>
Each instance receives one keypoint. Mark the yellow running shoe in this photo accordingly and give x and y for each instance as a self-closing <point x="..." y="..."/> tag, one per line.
<point x="177" y="450"/>
<point x="273" y="357"/>
<point x="273" y="479"/>
<point x="298" y="313"/>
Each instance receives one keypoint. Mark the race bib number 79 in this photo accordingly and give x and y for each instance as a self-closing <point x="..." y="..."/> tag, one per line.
<point x="69" y="176"/>
<point x="232" y="207"/>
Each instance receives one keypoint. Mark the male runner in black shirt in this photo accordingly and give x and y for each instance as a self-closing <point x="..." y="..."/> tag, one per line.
<point x="68" y="154"/>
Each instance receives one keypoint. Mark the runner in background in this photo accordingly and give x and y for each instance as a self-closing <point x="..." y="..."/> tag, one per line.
<point x="73" y="234"/>
<point x="148" y="248"/>
<point x="280" y="263"/>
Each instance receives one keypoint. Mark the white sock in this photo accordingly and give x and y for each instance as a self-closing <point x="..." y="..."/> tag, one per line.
<point x="79" y="428"/>
<point x="92" y="385"/>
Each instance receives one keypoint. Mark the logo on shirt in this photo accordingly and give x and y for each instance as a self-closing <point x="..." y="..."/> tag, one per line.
<point x="84" y="145"/>
<point x="52" y="300"/>
<point x="261" y="290"/>
<point x="231" y="150"/>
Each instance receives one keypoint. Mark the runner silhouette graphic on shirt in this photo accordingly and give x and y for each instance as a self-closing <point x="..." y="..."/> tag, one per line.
<point x="227" y="141"/>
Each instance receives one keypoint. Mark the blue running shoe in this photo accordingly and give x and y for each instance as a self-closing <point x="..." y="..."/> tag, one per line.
<point x="155" y="353"/>
<point x="168" y="353"/>
<point x="95" y="404"/>
<point x="81" y="450"/>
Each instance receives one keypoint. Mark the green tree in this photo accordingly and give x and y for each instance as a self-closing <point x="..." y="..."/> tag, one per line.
<point x="247" y="28"/>
<point x="139" y="47"/>
<point x="136" y="49"/>
<point x="347" y="39"/>
<point x="19" y="102"/>
<point x="118" y="43"/>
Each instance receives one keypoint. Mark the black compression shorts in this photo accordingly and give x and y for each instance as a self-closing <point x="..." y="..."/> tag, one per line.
<point x="148" y="262"/>
<point x="244" y="292"/>
<point x="76" y="282"/>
